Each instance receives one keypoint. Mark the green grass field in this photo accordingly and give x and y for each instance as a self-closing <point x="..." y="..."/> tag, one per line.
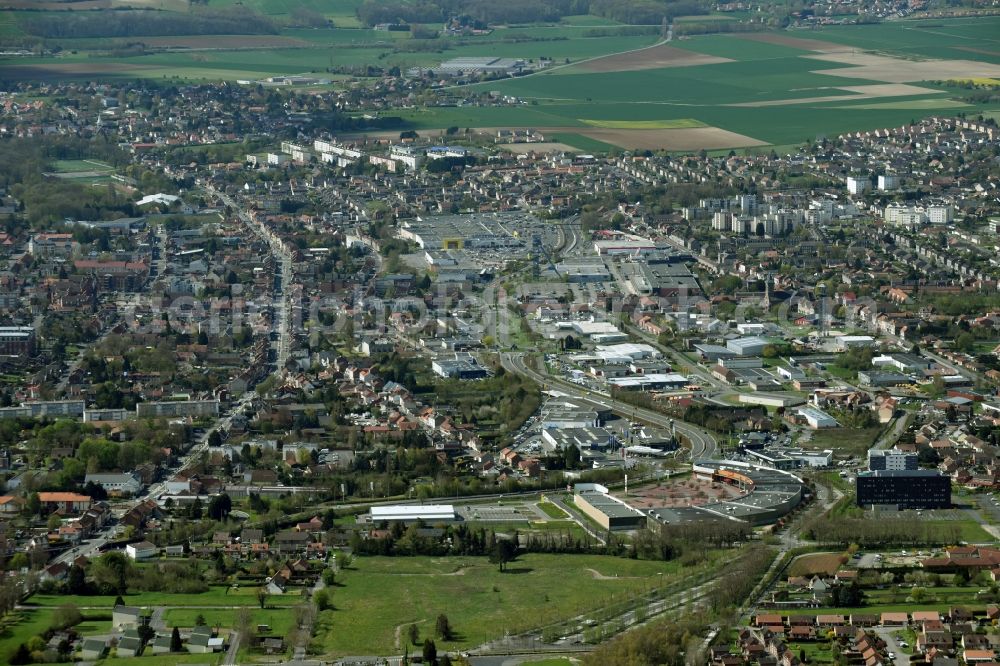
<point x="280" y="620"/>
<point x="215" y="596"/>
<point x="19" y="626"/>
<point x="552" y="511"/>
<point x="380" y="594"/>
<point x="939" y="38"/>
<point x="582" y="142"/>
<point x="683" y="97"/>
<point x="843" y="441"/>
<point x="162" y="659"/>
<point x="914" y="104"/>
<point x="969" y="530"/>
<point x="678" y="123"/>
<point x="75" y="166"/>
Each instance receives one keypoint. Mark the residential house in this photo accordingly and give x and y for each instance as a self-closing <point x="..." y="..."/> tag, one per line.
<point x="130" y="644"/>
<point x="202" y="641"/>
<point x="92" y="649"/>
<point x="290" y="541"/>
<point x="124" y="617"/>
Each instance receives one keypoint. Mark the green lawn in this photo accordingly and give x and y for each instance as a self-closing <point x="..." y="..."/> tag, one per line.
<point x="163" y="660"/>
<point x="951" y="595"/>
<point x="381" y="594"/>
<point x="816" y="652"/>
<point x="215" y="596"/>
<point x="582" y="142"/>
<point x="94" y="622"/>
<point x="73" y="166"/>
<point x="280" y="620"/>
<point x="19" y="627"/>
<point x="679" y="123"/>
<point x="970" y="531"/>
<point x="552" y="511"/>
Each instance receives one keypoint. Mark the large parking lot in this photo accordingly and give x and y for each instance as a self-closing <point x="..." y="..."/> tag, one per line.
<point x="499" y="513"/>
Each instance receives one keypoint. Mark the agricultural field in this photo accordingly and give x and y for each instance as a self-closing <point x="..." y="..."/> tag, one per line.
<point x="817" y="563"/>
<point x="770" y="88"/>
<point x="378" y="597"/>
<point x="604" y="90"/>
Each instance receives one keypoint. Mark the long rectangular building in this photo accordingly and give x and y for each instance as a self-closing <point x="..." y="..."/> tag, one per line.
<point x="44" y="408"/>
<point x="904" y="489"/>
<point x="171" y="408"/>
<point x="411" y="513"/>
<point x="607" y="511"/>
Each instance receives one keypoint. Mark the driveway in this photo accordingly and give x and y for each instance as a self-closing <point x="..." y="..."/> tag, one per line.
<point x="902" y="659"/>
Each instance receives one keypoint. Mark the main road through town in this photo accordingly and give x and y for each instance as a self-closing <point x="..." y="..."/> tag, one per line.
<point x="703" y="443"/>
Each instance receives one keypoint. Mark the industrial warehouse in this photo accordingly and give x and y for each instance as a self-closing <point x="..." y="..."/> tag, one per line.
<point x="607" y="511"/>
<point x="429" y="513"/>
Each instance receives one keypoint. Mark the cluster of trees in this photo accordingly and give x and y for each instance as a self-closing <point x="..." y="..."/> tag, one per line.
<point x="740" y="578"/>
<point x="451" y="539"/>
<point x="687" y="542"/>
<point x="114" y="573"/>
<point x="35" y="649"/>
<point x="143" y="23"/>
<point x="847" y="596"/>
<point x="883" y="532"/>
<point x="444" y="164"/>
<point x="307" y="18"/>
<point x="720" y="419"/>
<point x="856" y="358"/>
<point x="93" y="454"/>
<point x="712" y="27"/>
<point x="666" y="642"/>
<point x="23" y="161"/>
<point x="635" y="12"/>
<point x="503" y="400"/>
<point x="644" y="12"/>
<point x="372" y="12"/>
<point x="859" y="416"/>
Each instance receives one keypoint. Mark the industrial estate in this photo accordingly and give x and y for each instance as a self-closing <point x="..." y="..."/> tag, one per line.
<point x="372" y="333"/>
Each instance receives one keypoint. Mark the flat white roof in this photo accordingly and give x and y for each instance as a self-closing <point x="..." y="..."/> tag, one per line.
<point x="413" y="512"/>
<point x="592" y="327"/>
<point x="628" y="349"/>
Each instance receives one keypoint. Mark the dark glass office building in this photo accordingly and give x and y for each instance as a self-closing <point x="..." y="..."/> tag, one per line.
<point x="905" y="489"/>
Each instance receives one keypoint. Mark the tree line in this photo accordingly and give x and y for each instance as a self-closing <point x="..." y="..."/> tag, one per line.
<point x="143" y="23"/>
<point x="644" y="12"/>
<point x="885" y="531"/>
<point x="677" y="640"/>
<point x="635" y="12"/>
<point x="372" y="12"/>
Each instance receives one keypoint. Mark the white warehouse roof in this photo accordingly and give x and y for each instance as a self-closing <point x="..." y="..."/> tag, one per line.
<point x="427" y="512"/>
